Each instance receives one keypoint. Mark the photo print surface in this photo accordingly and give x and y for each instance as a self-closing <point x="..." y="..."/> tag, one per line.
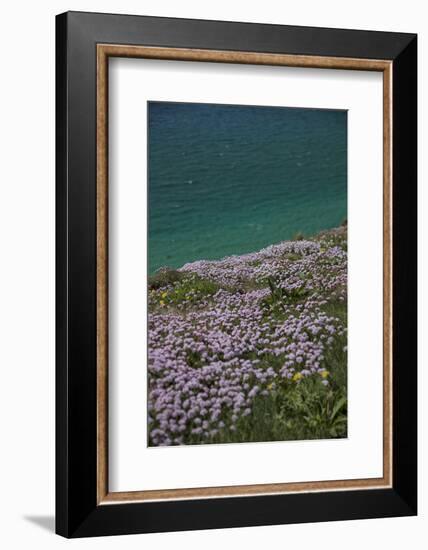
<point x="247" y="274"/>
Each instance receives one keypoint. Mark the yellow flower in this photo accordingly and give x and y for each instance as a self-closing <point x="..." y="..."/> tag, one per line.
<point x="297" y="376"/>
<point x="324" y="373"/>
<point x="164" y="294"/>
<point x="162" y="303"/>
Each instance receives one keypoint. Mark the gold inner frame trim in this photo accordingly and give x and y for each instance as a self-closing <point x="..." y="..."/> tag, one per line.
<point x="104" y="51"/>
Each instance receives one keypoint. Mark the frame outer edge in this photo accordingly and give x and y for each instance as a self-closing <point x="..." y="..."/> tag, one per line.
<point x="61" y="268"/>
<point x="77" y="513"/>
<point x="405" y="274"/>
<point x="196" y="33"/>
<point x="120" y="519"/>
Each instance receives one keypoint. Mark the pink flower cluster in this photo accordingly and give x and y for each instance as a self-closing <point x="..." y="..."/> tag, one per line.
<point x="209" y="362"/>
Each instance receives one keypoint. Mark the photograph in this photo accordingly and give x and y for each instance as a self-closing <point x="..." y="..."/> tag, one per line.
<point x="247" y="273"/>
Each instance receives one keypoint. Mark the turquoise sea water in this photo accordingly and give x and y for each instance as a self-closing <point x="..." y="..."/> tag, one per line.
<point x="226" y="179"/>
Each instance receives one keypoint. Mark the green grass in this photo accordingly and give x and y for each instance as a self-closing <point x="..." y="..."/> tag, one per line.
<point x="297" y="410"/>
<point x="164" y="277"/>
<point x="180" y="289"/>
<point x="301" y="410"/>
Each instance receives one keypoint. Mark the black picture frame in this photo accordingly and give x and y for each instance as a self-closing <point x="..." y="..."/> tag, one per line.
<point x="77" y="511"/>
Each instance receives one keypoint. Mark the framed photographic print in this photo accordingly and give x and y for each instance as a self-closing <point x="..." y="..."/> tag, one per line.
<point x="236" y="274"/>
